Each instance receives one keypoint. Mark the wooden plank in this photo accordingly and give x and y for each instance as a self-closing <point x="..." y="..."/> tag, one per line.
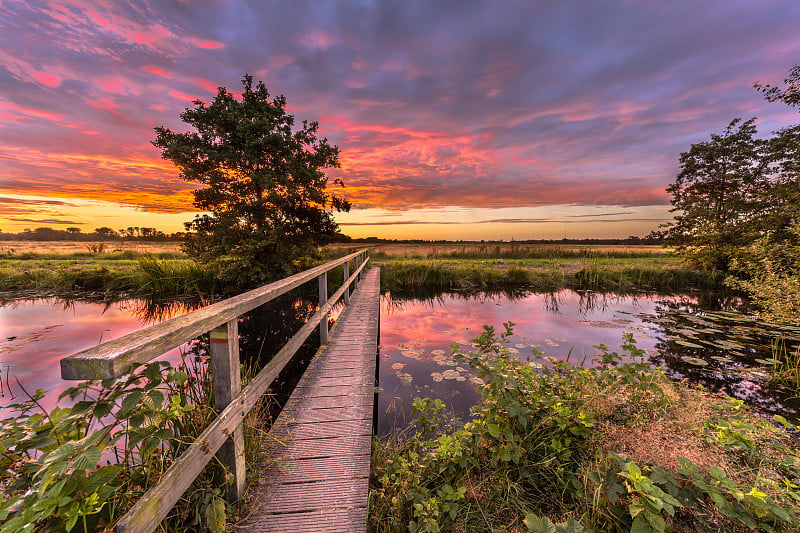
<point x="316" y="496"/>
<point x="329" y="521"/>
<point x="318" y="430"/>
<point x="318" y="469"/>
<point x="330" y="401"/>
<point x="315" y="448"/>
<point x="330" y="414"/>
<point x="323" y="435"/>
<point x="116" y="357"/>
<point x="148" y="512"/>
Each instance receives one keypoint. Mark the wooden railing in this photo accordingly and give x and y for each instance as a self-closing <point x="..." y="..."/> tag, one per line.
<point x="224" y="436"/>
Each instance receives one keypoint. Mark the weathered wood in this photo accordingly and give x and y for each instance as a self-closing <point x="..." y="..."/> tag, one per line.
<point x="227" y="383"/>
<point x="336" y="521"/>
<point x="345" y="277"/>
<point x="118" y="356"/>
<point x="323" y="297"/>
<point x="318" y="469"/>
<point x="318" y="448"/>
<point x="154" y="505"/>
<point x="322" y="437"/>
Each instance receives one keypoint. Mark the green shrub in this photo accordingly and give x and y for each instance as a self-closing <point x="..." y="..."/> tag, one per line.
<point x="533" y="455"/>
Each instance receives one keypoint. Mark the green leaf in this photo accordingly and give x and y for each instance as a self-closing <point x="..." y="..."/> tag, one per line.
<point x="537" y="524"/>
<point x="88" y="459"/>
<point x="215" y="516"/>
<point x="494" y="430"/>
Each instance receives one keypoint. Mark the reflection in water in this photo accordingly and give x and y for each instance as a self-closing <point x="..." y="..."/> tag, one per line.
<point x="693" y="336"/>
<point x="36" y="334"/>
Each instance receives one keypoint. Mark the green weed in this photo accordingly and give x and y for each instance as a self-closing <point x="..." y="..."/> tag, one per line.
<point x="538" y="455"/>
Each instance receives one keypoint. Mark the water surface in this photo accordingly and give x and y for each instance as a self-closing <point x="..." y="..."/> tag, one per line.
<point x="693" y="338"/>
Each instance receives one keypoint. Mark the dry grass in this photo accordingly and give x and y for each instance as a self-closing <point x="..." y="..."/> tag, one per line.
<point x="403" y="250"/>
<point x="73" y="247"/>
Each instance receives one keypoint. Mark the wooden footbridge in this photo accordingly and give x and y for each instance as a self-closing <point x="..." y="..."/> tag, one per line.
<point x="320" y="443"/>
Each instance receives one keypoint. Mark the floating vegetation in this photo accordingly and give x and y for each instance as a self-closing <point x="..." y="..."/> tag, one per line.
<point x="696" y="361"/>
<point x="412" y="349"/>
<point x="405" y="378"/>
<point x="687" y="344"/>
<point x="398" y="366"/>
<point x="722" y="359"/>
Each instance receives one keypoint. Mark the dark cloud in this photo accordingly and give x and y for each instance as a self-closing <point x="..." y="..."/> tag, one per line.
<point x="4" y="200"/>
<point x="45" y="221"/>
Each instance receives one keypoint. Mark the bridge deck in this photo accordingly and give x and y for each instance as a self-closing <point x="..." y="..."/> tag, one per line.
<point x="321" y="440"/>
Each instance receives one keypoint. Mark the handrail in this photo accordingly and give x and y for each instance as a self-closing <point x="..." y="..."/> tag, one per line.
<point x="116" y="357"/>
<point x="224" y="436"/>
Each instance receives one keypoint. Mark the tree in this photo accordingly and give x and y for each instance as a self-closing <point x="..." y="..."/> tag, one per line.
<point x="717" y="193"/>
<point x="790" y="95"/>
<point x="732" y="190"/>
<point x="264" y="189"/>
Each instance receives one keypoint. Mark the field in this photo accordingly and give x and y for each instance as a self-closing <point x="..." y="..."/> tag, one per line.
<point x="114" y="266"/>
<point x="16" y="248"/>
<point x="499" y="250"/>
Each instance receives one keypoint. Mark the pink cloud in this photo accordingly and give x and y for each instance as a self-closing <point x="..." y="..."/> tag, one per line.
<point x="206" y="44"/>
<point x="37" y="113"/>
<point x="112" y="85"/>
<point x="51" y="80"/>
<point x="183" y="96"/>
<point x="209" y="86"/>
<point x="317" y="39"/>
<point x="152" y="69"/>
<point x="102" y="104"/>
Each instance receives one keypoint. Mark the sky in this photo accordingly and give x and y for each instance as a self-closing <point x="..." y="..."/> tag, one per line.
<point x="455" y="119"/>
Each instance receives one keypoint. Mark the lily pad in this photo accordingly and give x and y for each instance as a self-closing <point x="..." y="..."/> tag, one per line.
<point x="696" y="361"/>
<point x="687" y="344"/>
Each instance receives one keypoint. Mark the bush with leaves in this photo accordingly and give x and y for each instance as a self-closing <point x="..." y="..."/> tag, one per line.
<point x="81" y="467"/>
<point x="531" y="458"/>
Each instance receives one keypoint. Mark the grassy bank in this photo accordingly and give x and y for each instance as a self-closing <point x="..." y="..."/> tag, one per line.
<point x="620" y="274"/>
<point x="168" y="274"/>
<point x="143" y="276"/>
<point x="553" y="447"/>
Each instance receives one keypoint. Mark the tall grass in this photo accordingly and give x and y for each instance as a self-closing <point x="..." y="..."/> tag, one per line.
<point x="411" y="275"/>
<point x="161" y="279"/>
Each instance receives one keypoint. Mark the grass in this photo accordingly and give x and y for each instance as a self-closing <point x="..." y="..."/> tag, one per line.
<point x="616" y="447"/>
<point x="534" y="267"/>
<point x="660" y="273"/>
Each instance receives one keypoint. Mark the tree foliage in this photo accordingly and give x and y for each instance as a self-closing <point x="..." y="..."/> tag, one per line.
<point x="264" y="187"/>
<point x="790" y="95"/>
<point x="731" y="190"/>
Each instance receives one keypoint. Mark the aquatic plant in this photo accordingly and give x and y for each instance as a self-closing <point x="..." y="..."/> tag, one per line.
<point x="555" y="447"/>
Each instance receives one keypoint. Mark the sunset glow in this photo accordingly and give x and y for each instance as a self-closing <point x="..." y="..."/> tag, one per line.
<point x="457" y="121"/>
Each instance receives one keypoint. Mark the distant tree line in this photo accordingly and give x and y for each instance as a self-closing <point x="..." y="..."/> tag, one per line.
<point x="631" y="240"/>
<point x="99" y="234"/>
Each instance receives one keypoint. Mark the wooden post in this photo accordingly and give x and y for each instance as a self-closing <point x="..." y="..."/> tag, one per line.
<point x="346" y="277"/>
<point x="323" y="297"/>
<point x="228" y="384"/>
